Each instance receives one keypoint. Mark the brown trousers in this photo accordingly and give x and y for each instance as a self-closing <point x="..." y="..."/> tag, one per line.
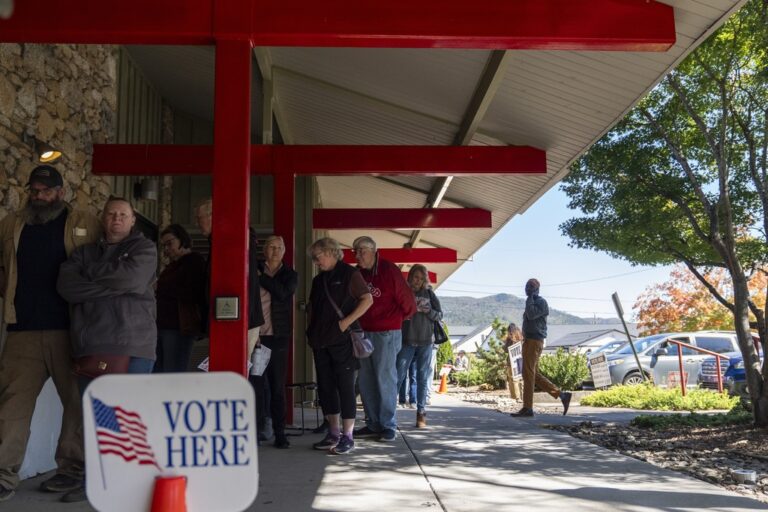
<point x="28" y="359"/>
<point x="531" y="376"/>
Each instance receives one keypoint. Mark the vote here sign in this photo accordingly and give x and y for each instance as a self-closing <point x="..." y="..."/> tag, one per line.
<point x="198" y="425"/>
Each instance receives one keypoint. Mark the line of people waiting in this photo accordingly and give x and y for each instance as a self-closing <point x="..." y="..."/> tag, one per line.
<point x="82" y="298"/>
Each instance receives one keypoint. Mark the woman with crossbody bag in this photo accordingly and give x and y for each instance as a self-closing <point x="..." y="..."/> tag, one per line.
<point x="417" y="339"/>
<point x="337" y="288"/>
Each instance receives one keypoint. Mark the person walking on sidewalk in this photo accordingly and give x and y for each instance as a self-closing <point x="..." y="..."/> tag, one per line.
<point x="535" y="332"/>
<point x="393" y="302"/>
<point x="35" y="241"/>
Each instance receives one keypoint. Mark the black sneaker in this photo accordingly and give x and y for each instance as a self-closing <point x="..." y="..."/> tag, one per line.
<point x="281" y="442"/>
<point x="387" y="435"/>
<point x="366" y="433"/>
<point x="344" y="446"/>
<point x="328" y="442"/>
<point x="523" y="413"/>
<point x="61" y="483"/>
<point x="565" y="397"/>
<point x="6" y="494"/>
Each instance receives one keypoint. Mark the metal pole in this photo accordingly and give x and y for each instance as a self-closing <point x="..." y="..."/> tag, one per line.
<point x="620" y="312"/>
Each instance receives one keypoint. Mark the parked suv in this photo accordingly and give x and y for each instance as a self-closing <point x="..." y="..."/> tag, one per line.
<point x="658" y="357"/>
<point x="732" y="370"/>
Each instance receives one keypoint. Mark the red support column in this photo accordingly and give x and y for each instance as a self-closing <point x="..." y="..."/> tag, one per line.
<point x="231" y="200"/>
<point x="284" y="208"/>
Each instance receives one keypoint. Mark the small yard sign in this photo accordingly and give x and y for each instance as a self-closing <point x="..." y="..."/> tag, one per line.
<point x="598" y="365"/>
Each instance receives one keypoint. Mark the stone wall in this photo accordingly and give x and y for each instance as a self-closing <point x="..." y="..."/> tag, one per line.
<point x="65" y="95"/>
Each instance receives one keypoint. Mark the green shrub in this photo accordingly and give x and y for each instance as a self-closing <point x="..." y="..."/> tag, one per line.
<point x="736" y="416"/>
<point x="491" y="364"/>
<point x="566" y="371"/>
<point x="471" y="377"/>
<point x="649" y="397"/>
<point x="444" y="354"/>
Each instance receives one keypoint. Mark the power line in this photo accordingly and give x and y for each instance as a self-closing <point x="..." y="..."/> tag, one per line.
<point x="547" y="297"/>
<point x="507" y="286"/>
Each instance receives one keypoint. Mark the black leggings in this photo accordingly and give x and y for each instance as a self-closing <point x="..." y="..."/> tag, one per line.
<point x="335" y="366"/>
<point x="274" y="374"/>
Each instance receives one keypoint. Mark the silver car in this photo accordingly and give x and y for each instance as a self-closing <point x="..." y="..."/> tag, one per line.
<point x="659" y="360"/>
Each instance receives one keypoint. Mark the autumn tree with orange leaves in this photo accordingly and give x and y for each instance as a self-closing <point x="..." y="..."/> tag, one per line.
<point x="683" y="303"/>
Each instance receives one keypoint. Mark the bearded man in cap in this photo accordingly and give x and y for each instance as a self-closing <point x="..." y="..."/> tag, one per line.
<point x="34" y="242"/>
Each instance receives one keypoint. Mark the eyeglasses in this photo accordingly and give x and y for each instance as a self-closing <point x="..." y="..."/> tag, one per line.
<point x="316" y="257"/>
<point x="168" y="242"/>
<point x="361" y="250"/>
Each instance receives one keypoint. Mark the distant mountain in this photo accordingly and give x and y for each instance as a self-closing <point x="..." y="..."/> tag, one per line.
<point x="508" y="308"/>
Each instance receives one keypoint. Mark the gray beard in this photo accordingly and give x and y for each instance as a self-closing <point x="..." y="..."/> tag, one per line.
<point x="34" y="214"/>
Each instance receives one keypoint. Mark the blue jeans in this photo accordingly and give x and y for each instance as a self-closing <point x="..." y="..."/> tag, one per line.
<point x="422" y="356"/>
<point x="378" y="380"/>
<point x="408" y="384"/>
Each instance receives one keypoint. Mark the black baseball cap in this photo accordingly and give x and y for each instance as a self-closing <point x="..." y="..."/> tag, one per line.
<point x="47" y="175"/>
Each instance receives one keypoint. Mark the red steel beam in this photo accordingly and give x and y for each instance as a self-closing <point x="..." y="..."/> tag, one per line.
<point x="145" y="159"/>
<point x="425" y="255"/>
<point x="623" y="25"/>
<point x="432" y="276"/>
<point x="400" y="218"/>
<point x="231" y="200"/>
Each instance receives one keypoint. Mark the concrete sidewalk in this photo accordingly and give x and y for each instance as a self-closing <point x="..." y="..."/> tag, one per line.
<point x="469" y="459"/>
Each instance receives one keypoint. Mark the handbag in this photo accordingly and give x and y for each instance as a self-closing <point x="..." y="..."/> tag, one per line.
<point x="439" y="330"/>
<point x="441" y="336"/>
<point x="361" y="346"/>
<point x="96" y="365"/>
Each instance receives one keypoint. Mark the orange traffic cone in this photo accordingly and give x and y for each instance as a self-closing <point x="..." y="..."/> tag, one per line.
<point x="443" y="384"/>
<point x="170" y="494"/>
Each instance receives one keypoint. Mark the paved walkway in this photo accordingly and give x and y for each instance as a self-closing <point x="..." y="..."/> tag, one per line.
<point x="469" y="459"/>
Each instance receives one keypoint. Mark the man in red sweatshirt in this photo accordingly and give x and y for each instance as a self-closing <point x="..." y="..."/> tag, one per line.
<point x="393" y="302"/>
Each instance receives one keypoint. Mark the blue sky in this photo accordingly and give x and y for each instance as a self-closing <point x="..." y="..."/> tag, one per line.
<point x="577" y="281"/>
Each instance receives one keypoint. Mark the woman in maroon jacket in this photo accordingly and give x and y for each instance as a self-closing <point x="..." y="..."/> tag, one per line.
<point x="180" y="298"/>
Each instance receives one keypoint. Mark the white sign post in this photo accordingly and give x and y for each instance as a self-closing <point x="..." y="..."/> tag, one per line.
<point x="601" y="376"/>
<point x="197" y="425"/>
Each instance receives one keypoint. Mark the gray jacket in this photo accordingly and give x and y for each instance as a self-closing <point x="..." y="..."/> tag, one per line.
<point x="535" y="318"/>
<point x="109" y="288"/>
<point x="418" y="329"/>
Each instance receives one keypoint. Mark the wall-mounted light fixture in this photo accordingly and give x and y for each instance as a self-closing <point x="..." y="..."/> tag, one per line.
<point x="47" y="153"/>
<point x="43" y="151"/>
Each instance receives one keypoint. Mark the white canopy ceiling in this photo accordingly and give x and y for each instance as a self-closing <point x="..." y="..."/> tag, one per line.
<point x="558" y="101"/>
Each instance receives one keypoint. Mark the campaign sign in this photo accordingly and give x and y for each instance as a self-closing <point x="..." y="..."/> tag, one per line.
<point x="516" y="360"/>
<point x="601" y="376"/>
<point x="197" y="425"/>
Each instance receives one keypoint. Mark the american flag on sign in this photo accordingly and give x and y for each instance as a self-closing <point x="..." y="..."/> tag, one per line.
<point x="122" y="433"/>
